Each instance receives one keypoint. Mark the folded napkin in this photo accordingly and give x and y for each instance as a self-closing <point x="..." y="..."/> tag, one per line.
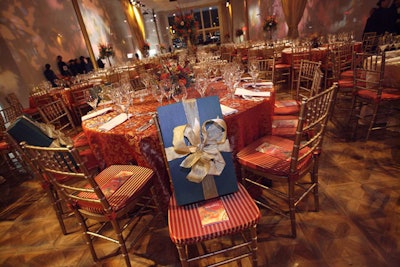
<point x="260" y="84"/>
<point x="114" y="122"/>
<point x="227" y="110"/>
<point x="96" y="113"/>
<point x="242" y="91"/>
<point x="103" y="103"/>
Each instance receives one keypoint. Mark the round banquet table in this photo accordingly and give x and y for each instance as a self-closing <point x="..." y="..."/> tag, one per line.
<point x="127" y="145"/>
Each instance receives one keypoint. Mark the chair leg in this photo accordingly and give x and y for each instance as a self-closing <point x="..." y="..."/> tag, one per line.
<point x="85" y="229"/>
<point x="314" y="181"/>
<point x="253" y="233"/>
<point x="183" y="257"/>
<point x="292" y="208"/>
<point x="121" y="242"/>
<point x="57" y="206"/>
<point x="373" y="120"/>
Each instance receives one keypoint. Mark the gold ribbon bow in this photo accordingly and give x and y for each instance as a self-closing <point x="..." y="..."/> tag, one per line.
<point x="204" y="146"/>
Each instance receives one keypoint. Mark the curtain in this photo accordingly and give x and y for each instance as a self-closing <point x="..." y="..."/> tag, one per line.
<point x="293" y="10"/>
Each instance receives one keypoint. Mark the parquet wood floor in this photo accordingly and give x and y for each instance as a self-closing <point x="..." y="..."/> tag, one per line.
<point x="358" y="223"/>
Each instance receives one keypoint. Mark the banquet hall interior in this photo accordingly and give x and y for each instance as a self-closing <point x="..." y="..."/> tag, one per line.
<point x="142" y="42"/>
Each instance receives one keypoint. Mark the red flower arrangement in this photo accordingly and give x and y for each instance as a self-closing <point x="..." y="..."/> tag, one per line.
<point x="105" y="51"/>
<point x="185" y="26"/>
<point x="270" y="23"/>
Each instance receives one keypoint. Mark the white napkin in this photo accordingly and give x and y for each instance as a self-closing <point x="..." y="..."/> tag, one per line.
<point x="114" y="122"/>
<point x="261" y="84"/>
<point x="242" y="91"/>
<point x="227" y="110"/>
<point x="96" y="113"/>
<point x="103" y="103"/>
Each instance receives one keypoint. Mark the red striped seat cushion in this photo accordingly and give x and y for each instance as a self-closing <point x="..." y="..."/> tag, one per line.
<point x="282" y="66"/>
<point x="185" y="225"/>
<point x="286" y="107"/>
<point x="348" y="74"/>
<point x="387" y="94"/>
<point x="275" y="160"/>
<point x="346" y="83"/>
<point x="118" y="191"/>
<point x="4" y="145"/>
<point x="284" y="125"/>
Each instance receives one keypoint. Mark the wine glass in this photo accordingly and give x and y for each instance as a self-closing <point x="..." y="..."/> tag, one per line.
<point x="254" y="72"/>
<point x="166" y="88"/>
<point x="179" y="92"/>
<point x="157" y="93"/>
<point x="201" y="85"/>
<point x="92" y="99"/>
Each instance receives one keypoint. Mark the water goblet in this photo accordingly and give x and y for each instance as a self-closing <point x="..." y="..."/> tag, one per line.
<point x="179" y="92"/>
<point x="157" y="93"/>
<point x="201" y="85"/>
<point x="254" y="72"/>
<point x="166" y="88"/>
<point x="92" y="99"/>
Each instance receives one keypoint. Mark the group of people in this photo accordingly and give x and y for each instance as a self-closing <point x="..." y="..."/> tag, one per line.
<point x="384" y="18"/>
<point x="73" y="68"/>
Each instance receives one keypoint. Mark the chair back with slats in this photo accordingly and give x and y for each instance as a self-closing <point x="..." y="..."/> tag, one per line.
<point x="369" y="73"/>
<point x="342" y="59"/>
<point x="13" y="100"/>
<point x="107" y="197"/>
<point x="267" y="69"/>
<point x="57" y="114"/>
<point x="305" y="78"/>
<point x="7" y="116"/>
<point x="137" y="84"/>
<point x="313" y="118"/>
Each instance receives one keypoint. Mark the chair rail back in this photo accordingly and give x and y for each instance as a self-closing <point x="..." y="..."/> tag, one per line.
<point x="314" y="115"/>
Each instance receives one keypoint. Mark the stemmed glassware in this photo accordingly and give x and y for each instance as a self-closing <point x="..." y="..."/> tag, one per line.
<point x="92" y="99"/>
<point x="157" y="92"/>
<point x="179" y="92"/>
<point x="201" y="84"/>
<point x="254" y="72"/>
<point x="166" y="88"/>
<point x="127" y="93"/>
<point x="232" y="74"/>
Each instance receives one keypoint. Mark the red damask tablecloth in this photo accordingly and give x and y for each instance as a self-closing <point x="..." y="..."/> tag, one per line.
<point x="124" y="145"/>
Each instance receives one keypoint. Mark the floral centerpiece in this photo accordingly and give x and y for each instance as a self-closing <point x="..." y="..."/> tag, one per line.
<point x="186" y="26"/>
<point x="270" y="23"/>
<point x="106" y="51"/>
<point x="239" y="34"/>
<point x="146" y="48"/>
<point x="315" y="40"/>
<point x="176" y="73"/>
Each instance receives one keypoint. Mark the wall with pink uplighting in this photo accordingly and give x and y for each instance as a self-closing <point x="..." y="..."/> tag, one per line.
<point x="34" y="32"/>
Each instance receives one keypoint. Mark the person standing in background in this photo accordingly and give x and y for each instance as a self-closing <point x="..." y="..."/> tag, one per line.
<point x="63" y="67"/>
<point x="50" y="75"/>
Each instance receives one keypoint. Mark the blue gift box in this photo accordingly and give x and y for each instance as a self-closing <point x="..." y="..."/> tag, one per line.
<point x="186" y="191"/>
<point x="23" y="129"/>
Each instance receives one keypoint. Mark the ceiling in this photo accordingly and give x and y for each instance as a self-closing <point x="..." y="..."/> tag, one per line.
<point x="167" y="5"/>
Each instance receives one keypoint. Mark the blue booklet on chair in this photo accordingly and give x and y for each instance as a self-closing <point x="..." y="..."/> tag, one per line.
<point x="197" y="150"/>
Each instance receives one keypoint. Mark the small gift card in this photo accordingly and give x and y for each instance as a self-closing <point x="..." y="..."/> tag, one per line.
<point x="212" y="211"/>
<point x="114" y="183"/>
<point x="275" y="151"/>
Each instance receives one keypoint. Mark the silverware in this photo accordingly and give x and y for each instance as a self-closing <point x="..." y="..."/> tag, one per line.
<point x="145" y="126"/>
